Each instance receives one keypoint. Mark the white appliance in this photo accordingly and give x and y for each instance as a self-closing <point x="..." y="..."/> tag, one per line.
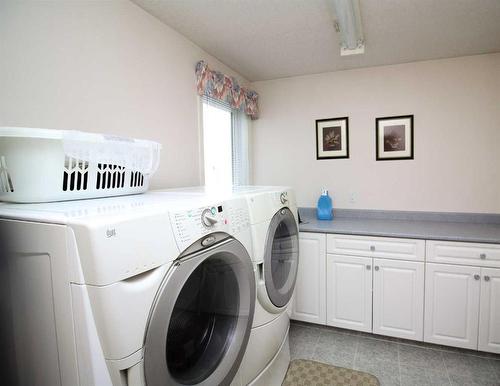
<point x="274" y="228"/>
<point x="126" y="291"/>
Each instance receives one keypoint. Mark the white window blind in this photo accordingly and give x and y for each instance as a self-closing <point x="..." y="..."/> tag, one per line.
<point x="226" y="143"/>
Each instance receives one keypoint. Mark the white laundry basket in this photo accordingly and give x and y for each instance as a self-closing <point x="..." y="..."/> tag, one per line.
<point x="41" y="165"/>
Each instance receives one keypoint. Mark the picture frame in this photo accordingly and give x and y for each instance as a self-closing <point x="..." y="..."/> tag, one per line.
<point x="394" y="138"/>
<point x="332" y="138"/>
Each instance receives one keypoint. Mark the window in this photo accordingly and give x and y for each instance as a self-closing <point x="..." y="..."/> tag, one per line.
<point x="225" y="144"/>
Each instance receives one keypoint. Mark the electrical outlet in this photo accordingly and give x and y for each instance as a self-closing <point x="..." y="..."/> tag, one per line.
<point x="352" y="198"/>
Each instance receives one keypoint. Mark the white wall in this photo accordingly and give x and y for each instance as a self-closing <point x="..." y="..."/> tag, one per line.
<point x="103" y="66"/>
<point x="456" y="103"/>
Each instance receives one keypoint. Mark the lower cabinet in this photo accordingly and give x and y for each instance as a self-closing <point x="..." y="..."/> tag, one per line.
<point x="452" y="305"/>
<point x="349" y="292"/>
<point x="379" y="285"/>
<point x="463" y="306"/>
<point x="376" y="295"/>
<point x="489" y="315"/>
<point x="398" y="298"/>
<point x="309" y="304"/>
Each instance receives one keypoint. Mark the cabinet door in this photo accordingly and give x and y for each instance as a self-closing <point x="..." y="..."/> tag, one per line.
<point x="309" y="303"/>
<point x="452" y="305"/>
<point x="489" y="316"/>
<point x="349" y="292"/>
<point x="398" y="298"/>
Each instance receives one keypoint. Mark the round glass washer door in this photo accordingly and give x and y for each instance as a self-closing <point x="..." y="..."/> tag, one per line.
<point x="281" y="257"/>
<point x="200" y="324"/>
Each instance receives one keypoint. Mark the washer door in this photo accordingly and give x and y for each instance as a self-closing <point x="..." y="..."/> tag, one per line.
<point x="200" y="323"/>
<point x="281" y="257"/>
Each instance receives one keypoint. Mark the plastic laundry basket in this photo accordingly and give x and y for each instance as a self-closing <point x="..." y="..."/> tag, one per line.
<point x="41" y="165"/>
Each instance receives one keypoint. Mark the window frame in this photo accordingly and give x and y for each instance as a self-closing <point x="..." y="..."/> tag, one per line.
<point x="235" y="125"/>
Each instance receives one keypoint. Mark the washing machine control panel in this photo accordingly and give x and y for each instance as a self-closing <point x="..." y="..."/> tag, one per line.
<point x="190" y="225"/>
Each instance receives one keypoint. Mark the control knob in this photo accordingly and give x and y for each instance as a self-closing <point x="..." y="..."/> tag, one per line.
<point x="283" y="198"/>
<point x="208" y="219"/>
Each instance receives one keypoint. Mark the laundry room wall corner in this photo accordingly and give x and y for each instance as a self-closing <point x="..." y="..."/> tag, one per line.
<point x="108" y="67"/>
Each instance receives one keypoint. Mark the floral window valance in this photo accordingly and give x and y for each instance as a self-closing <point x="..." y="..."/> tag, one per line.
<point x="219" y="86"/>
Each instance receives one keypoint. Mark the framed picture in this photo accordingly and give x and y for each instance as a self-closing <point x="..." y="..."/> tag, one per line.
<point x="394" y="138"/>
<point x="332" y="138"/>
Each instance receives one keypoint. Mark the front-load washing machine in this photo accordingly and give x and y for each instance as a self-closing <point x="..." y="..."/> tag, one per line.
<point x="274" y="229"/>
<point x="127" y="291"/>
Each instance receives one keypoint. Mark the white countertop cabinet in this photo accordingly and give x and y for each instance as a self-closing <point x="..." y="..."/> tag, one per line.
<point x="462" y="295"/>
<point x="309" y="302"/>
<point x="452" y="305"/>
<point x="398" y="298"/>
<point x="381" y="284"/>
<point x="349" y="292"/>
<point x="376" y="284"/>
<point x="489" y="314"/>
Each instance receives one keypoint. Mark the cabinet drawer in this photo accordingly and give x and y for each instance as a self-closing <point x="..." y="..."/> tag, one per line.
<point x="384" y="247"/>
<point x="483" y="255"/>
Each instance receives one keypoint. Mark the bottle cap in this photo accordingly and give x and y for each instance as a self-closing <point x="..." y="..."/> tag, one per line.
<point x="325" y="192"/>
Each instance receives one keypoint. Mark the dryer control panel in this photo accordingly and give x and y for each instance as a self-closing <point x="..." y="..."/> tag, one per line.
<point x="191" y="224"/>
<point x="283" y="198"/>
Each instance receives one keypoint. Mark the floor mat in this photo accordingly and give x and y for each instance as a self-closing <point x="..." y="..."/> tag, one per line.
<point x="303" y="372"/>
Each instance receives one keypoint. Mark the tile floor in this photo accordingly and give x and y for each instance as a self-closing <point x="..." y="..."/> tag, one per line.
<point x="394" y="361"/>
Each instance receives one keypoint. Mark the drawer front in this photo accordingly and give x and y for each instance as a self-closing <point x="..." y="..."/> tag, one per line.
<point x="382" y="247"/>
<point x="483" y="255"/>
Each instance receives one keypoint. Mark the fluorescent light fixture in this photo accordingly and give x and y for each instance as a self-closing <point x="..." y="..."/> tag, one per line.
<point x="348" y="24"/>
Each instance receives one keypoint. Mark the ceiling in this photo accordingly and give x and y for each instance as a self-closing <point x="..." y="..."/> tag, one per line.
<point x="268" y="39"/>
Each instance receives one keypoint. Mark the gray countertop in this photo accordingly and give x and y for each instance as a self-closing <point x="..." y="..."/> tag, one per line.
<point x="433" y="227"/>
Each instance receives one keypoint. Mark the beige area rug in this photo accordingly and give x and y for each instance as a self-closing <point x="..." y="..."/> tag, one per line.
<point x="303" y="372"/>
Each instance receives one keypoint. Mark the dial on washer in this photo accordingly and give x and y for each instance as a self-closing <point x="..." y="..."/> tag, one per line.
<point x="207" y="219"/>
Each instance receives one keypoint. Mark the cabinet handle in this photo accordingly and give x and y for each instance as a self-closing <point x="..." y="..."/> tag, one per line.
<point x="486" y="278"/>
<point x="482" y="256"/>
<point x="376" y="268"/>
<point x="477" y="277"/>
<point x="368" y="267"/>
<point x="372" y="248"/>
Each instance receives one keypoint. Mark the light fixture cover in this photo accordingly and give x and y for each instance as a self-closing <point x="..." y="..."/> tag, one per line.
<point x="348" y="20"/>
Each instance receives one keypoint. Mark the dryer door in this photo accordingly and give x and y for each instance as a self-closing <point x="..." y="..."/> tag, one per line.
<point x="200" y="323"/>
<point x="281" y="257"/>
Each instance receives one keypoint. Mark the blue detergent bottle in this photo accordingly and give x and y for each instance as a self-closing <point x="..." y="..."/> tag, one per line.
<point x="325" y="209"/>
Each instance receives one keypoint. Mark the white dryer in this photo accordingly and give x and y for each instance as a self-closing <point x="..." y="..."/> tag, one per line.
<point x="274" y="225"/>
<point x="129" y="291"/>
<point x="275" y="241"/>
